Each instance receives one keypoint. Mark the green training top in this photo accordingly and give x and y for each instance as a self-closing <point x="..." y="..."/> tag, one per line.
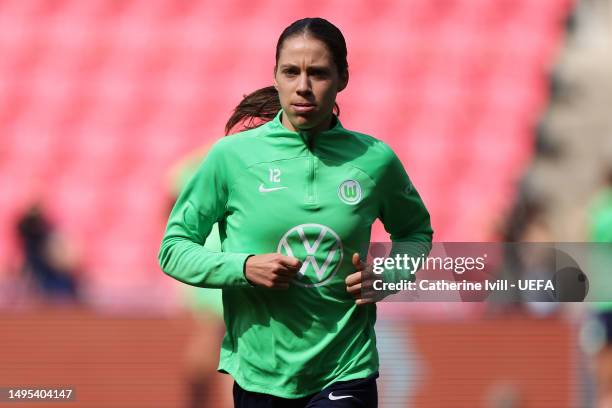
<point x="600" y="220"/>
<point x="311" y="197"/>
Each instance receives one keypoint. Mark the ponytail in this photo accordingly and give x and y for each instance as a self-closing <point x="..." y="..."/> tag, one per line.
<point x="257" y="108"/>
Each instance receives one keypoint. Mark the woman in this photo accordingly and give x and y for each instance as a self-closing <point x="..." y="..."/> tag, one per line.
<point x="295" y="198"/>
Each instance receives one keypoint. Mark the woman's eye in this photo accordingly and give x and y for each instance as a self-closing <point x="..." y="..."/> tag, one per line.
<point x="290" y="73"/>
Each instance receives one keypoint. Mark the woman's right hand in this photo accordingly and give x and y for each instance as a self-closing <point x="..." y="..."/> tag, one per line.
<point x="271" y="270"/>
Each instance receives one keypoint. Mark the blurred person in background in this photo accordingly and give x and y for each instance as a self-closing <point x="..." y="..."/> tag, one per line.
<point x="528" y="255"/>
<point x="299" y="332"/>
<point x="536" y="258"/>
<point x="50" y="262"/>
<point x="600" y="211"/>
<point x="600" y="230"/>
<point x="206" y="310"/>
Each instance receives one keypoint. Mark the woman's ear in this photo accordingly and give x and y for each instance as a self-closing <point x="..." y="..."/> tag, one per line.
<point x="343" y="81"/>
<point x="274" y="77"/>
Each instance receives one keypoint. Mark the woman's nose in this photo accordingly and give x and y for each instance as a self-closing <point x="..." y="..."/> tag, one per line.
<point x="303" y="84"/>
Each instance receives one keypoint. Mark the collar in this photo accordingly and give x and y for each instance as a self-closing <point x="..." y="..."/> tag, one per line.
<point x="277" y="125"/>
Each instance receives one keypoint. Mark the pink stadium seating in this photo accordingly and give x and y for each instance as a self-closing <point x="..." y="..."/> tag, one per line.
<point x="99" y="98"/>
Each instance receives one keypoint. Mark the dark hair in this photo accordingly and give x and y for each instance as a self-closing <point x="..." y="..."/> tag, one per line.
<point x="262" y="105"/>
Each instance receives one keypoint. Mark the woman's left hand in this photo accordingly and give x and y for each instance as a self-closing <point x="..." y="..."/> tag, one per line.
<point x="359" y="284"/>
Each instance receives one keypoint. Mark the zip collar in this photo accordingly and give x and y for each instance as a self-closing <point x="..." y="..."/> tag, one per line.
<point x="277" y="125"/>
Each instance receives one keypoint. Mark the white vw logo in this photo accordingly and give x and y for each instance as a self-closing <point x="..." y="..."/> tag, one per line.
<point x="295" y="243"/>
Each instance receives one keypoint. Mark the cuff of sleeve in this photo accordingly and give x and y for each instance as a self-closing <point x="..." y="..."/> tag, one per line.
<point x="244" y="269"/>
<point x="398" y="275"/>
<point x="238" y="265"/>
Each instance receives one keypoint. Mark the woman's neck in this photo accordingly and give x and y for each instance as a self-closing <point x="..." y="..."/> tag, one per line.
<point x="327" y="124"/>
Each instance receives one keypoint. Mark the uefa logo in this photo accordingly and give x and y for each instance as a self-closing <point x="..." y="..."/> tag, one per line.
<point x="350" y="192"/>
<point x="320" y="248"/>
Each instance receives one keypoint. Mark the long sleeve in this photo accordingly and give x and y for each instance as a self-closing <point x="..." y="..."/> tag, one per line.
<point x="402" y="211"/>
<point x="403" y="215"/>
<point x="200" y="205"/>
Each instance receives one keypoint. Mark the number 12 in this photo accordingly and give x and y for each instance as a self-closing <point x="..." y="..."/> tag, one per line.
<point x="275" y="175"/>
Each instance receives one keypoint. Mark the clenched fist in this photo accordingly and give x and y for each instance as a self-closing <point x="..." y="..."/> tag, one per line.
<point x="273" y="271"/>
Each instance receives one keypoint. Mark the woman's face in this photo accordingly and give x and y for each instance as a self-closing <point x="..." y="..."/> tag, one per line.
<point x="307" y="81"/>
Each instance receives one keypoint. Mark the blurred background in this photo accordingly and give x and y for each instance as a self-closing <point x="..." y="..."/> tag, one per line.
<point x="501" y="111"/>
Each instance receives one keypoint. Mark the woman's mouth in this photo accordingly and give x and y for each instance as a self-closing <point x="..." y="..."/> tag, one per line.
<point x="302" y="107"/>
